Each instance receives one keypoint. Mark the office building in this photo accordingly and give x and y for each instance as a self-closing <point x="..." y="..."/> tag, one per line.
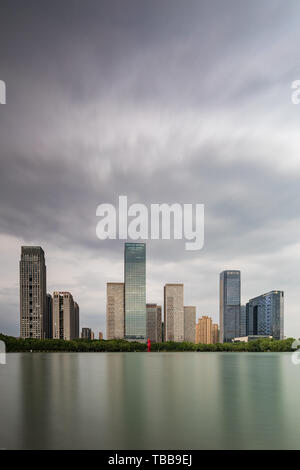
<point x="230" y="303"/>
<point x="64" y="316"/>
<point x="86" y="333"/>
<point x="32" y="292"/>
<point x="215" y="333"/>
<point x="173" y="312"/>
<point x="189" y="324"/>
<point x="154" y="326"/>
<point x="266" y="315"/>
<point x="100" y="336"/>
<point x="115" y="321"/>
<point x="48" y="327"/>
<point x="76" y="312"/>
<point x="135" y="291"/>
<point x="243" y="321"/>
<point x="204" y="330"/>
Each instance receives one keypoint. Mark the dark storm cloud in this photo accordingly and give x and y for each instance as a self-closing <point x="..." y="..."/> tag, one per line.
<point x="163" y="101"/>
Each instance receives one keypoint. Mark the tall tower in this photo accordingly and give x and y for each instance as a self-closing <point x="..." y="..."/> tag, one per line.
<point x="65" y="322"/>
<point x="230" y="304"/>
<point x="135" y="291"/>
<point x="190" y="324"/>
<point x="266" y="315"/>
<point x="115" y="310"/>
<point x="32" y="292"/>
<point x="154" y="326"/>
<point x="174" y="312"/>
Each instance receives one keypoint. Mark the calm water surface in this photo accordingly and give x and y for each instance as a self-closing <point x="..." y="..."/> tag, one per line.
<point x="149" y="401"/>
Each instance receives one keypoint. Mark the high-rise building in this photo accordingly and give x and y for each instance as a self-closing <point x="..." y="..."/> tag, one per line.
<point x="173" y="312"/>
<point x="230" y="303"/>
<point x="48" y="317"/>
<point x="76" y="312"/>
<point x="32" y="292"/>
<point x="115" y="321"/>
<point x="204" y="330"/>
<point x="135" y="291"/>
<point x="190" y="324"/>
<point x="154" y="327"/>
<point x="215" y="333"/>
<point x="243" y="321"/>
<point x="100" y="335"/>
<point x="86" y="333"/>
<point x="266" y="315"/>
<point x="64" y="316"/>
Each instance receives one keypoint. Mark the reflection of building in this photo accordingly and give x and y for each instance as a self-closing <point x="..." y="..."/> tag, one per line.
<point x="32" y="292"/>
<point x="86" y="333"/>
<point x="154" y="326"/>
<point x="100" y="335"/>
<point x="115" y="310"/>
<point x="215" y="333"/>
<point x="173" y="312"/>
<point x="65" y="314"/>
<point x="189" y="324"/>
<point x="135" y="291"/>
<point x="266" y="315"/>
<point x="230" y="302"/>
<point x="204" y="330"/>
<point x="48" y="327"/>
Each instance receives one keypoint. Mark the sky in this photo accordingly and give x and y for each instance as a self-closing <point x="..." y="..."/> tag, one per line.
<point x="164" y="101"/>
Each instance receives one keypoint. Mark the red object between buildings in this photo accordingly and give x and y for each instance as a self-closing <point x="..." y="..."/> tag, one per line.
<point x="149" y="344"/>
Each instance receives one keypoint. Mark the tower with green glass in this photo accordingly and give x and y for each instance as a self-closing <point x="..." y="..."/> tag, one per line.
<point x="135" y="291"/>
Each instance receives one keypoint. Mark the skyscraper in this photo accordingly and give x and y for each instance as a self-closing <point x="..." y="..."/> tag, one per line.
<point x="230" y="303"/>
<point x="190" y="324"/>
<point x="115" y="321"/>
<point x="76" y="326"/>
<point x="86" y="333"/>
<point x="154" y="326"/>
<point x="48" y="317"/>
<point x="215" y="333"/>
<point x="32" y="292"/>
<point x="173" y="312"/>
<point x="204" y="330"/>
<point x="64" y="316"/>
<point x="135" y="291"/>
<point x="243" y="321"/>
<point x="266" y="315"/>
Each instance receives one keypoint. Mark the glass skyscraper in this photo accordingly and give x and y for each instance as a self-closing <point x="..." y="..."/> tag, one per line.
<point x="135" y="291"/>
<point x="230" y="305"/>
<point x="265" y="315"/>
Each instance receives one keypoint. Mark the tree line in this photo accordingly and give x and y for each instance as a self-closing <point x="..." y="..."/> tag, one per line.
<point x="120" y="345"/>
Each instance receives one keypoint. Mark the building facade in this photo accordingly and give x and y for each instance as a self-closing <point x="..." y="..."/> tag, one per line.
<point x="64" y="316"/>
<point x="100" y="336"/>
<point x="173" y="312"/>
<point x="204" y="330"/>
<point x="115" y="319"/>
<point x="190" y="324"/>
<point x="32" y="292"/>
<point x="48" y="327"/>
<point x="243" y="321"/>
<point x="266" y="315"/>
<point x="230" y="304"/>
<point x="76" y="311"/>
<point x="154" y="326"/>
<point x="135" y="291"/>
<point x="215" y="333"/>
<point x="86" y="333"/>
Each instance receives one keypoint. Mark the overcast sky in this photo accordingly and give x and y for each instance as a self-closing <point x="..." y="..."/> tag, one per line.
<point x="162" y="101"/>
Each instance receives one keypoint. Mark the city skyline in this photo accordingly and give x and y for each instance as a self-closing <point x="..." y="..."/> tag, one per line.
<point x="210" y="124"/>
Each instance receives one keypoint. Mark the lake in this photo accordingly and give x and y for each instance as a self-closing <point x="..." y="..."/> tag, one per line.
<point x="149" y="401"/>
